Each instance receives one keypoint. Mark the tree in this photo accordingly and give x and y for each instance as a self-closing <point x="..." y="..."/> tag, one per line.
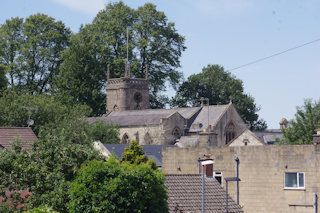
<point x="307" y="120"/>
<point x="153" y="42"/>
<point x="3" y="79"/>
<point x="31" y="50"/>
<point x="11" y="38"/>
<point x="118" y="187"/>
<point x="46" y="109"/>
<point x="49" y="168"/>
<point x="220" y="87"/>
<point x="135" y="155"/>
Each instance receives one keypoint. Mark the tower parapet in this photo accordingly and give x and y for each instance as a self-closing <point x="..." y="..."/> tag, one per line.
<point x="126" y="93"/>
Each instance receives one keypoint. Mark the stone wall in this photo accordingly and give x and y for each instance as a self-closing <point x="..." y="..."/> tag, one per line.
<point x="142" y="134"/>
<point x="261" y="171"/>
<point x="121" y="92"/>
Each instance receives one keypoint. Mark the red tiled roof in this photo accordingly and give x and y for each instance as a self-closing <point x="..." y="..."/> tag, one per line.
<point x="185" y="193"/>
<point x="8" y="134"/>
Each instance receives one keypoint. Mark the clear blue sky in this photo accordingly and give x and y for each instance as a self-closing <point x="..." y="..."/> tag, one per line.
<point x="230" y="33"/>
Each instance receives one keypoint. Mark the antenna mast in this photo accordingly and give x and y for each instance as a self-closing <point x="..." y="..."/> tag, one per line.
<point x="30" y="122"/>
<point x="127" y="70"/>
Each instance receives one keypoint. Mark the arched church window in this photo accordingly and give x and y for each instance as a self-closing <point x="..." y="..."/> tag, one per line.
<point x="115" y="108"/>
<point x="230" y="132"/>
<point x="125" y="139"/>
<point x="176" y="132"/>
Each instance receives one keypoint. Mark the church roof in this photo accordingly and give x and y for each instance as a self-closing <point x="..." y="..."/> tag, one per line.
<point x="144" y="117"/>
<point x="213" y="112"/>
<point x="269" y="136"/>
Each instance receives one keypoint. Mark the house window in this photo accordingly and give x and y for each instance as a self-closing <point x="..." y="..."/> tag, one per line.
<point x="294" y="180"/>
<point x="218" y="176"/>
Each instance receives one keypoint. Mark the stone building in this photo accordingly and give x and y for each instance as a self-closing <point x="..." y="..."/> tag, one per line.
<point x="273" y="178"/>
<point x="128" y="106"/>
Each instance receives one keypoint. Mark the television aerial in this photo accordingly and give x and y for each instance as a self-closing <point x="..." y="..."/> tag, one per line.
<point x="30" y="122"/>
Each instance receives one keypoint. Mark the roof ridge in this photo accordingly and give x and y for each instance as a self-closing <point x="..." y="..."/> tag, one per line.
<point x="182" y="174"/>
<point x="14" y="127"/>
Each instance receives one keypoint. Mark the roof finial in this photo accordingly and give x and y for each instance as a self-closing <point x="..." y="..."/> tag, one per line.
<point x="108" y="72"/>
<point x="201" y="101"/>
<point x="230" y="97"/>
<point x="147" y="72"/>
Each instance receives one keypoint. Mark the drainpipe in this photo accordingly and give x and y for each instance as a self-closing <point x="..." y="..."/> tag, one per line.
<point x="315" y="203"/>
<point x="237" y="161"/>
<point x="227" y="209"/>
<point x="203" y="210"/>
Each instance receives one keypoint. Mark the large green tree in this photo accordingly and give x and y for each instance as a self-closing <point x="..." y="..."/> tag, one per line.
<point x="118" y="187"/>
<point x="31" y="50"/>
<point x="3" y="79"/>
<point x="153" y="42"/>
<point x="305" y="124"/>
<point x="219" y="86"/>
<point x="10" y="47"/>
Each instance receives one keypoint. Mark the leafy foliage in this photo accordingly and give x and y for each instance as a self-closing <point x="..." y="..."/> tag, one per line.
<point x="153" y="42"/>
<point x="118" y="187"/>
<point x="10" y="47"/>
<point x="105" y="133"/>
<point x="3" y="79"/>
<point x="49" y="110"/>
<point x="135" y="155"/>
<point x="42" y="209"/>
<point x="48" y="169"/>
<point x="307" y="120"/>
<point x="31" y="50"/>
<point x="219" y="86"/>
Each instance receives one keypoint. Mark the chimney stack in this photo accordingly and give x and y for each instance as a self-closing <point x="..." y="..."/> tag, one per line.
<point x="208" y="169"/>
<point x="316" y="137"/>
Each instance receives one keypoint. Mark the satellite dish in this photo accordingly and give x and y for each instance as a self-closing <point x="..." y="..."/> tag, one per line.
<point x="30" y="122"/>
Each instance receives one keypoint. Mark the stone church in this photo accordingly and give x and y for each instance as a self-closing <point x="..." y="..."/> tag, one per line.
<point x="128" y="106"/>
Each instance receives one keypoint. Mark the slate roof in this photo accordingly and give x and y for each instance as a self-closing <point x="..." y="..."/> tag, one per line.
<point x="154" y="151"/>
<point x="186" y="192"/>
<point x="143" y="117"/>
<point x="8" y="134"/>
<point x="214" y="113"/>
<point x="269" y="136"/>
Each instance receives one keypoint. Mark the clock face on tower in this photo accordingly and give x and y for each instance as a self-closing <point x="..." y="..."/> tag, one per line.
<point x="137" y="97"/>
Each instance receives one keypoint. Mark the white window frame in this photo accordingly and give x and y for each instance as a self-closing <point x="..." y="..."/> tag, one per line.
<point x="218" y="174"/>
<point x="298" y="187"/>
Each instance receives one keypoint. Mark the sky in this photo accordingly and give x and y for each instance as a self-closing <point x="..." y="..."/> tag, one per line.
<point x="230" y="33"/>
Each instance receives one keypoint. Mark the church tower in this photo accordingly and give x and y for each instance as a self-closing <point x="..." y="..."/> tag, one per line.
<point x="126" y="93"/>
